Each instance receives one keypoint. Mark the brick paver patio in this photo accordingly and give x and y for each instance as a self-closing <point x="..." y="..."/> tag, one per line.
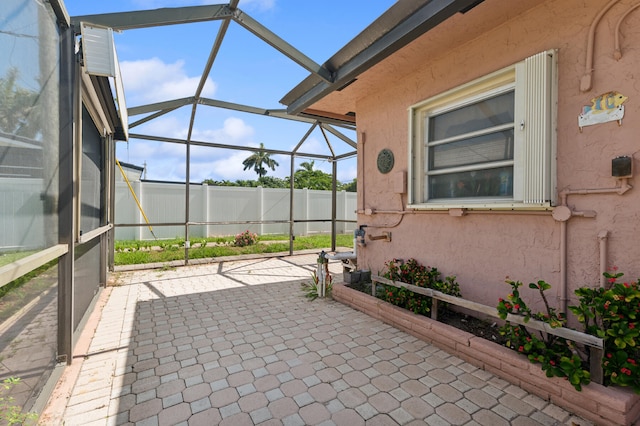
<point x="237" y="343"/>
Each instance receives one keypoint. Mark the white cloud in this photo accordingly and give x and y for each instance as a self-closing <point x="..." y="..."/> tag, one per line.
<point x="235" y="131"/>
<point x="152" y="80"/>
<point x="230" y="167"/>
<point x="170" y="127"/>
<point x="166" y="161"/>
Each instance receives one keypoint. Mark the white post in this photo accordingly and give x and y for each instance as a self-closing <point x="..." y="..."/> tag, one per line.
<point x="306" y="210"/>
<point x="205" y="208"/>
<point x="344" y="212"/>
<point x="261" y="208"/>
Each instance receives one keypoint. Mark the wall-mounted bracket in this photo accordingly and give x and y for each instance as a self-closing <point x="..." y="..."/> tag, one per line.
<point x="385" y="236"/>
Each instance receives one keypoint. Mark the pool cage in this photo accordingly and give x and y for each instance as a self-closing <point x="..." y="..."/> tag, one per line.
<point x="58" y="179"/>
<point x="96" y="32"/>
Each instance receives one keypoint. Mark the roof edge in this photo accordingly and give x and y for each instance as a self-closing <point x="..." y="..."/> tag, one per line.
<point x="397" y="27"/>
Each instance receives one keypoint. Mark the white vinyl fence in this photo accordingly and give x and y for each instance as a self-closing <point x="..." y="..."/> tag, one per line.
<point x="165" y="203"/>
<point x="23" y="215"/>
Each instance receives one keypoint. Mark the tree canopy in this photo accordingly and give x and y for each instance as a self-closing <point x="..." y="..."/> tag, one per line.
<point x="258" y="160"/>
<point x="305" y="177"/>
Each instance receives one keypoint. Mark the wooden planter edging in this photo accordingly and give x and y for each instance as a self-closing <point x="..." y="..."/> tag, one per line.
<point x="599" y="404"/>
<point x="595" y="344"/>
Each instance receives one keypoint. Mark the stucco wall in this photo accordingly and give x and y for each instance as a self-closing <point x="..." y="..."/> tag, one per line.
<point x="481" y="249"/>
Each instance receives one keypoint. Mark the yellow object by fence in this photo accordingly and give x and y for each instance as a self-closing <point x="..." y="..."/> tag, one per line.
<point x="124" y="175"/>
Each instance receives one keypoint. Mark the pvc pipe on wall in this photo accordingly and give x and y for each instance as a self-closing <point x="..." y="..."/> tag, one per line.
<point x="563" y="267"/>
<point x="602" y="238"/>
<point x="617" y="51"/>
<point x="585" y="82"/>
<point x="563" y="219"/>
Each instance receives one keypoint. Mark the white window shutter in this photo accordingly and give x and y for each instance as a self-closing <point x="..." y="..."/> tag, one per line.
<point x="98" y="50"/>
<point x="536" y="77"/>
<point x="100" y="59"/>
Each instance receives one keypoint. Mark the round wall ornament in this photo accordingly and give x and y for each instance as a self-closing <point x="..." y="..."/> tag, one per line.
<point x="385" y="161"/>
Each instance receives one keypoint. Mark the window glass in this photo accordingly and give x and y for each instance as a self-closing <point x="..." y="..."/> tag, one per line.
<point x="477" y="137"/>
<point x="477" y="116"/>
<point x="496" y="182"/>
<point x="91" y="188"/>
<point x="476" y="150"/>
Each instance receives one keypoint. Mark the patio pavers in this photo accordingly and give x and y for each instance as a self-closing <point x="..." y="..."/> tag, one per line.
<point x="237" y="343"/>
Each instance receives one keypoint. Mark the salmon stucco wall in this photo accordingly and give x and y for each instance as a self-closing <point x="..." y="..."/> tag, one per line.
<point x="482" y="248"/>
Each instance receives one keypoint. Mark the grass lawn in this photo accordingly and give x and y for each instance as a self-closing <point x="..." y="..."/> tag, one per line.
<point x="140" y="252"/>
<point x="16" y="294"/>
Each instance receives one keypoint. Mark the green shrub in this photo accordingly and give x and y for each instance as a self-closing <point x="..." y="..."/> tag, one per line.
<point x="557" y="356"/>
<point x="11" y="413"/>
<point x="412" y="272"/>
<point x="611" y="313"/>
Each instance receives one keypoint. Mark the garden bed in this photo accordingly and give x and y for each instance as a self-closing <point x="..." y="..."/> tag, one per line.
<point x="478" y="327"/>
<point x="597" y="403"/>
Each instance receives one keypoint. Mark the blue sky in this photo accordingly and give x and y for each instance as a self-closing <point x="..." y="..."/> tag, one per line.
<point x="165" y="63"/>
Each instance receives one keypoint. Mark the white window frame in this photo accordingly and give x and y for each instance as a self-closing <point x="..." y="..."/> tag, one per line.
<point x="534" y="177"/>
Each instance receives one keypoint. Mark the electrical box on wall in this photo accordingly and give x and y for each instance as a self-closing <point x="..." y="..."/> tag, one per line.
<point x="621" y="167"/>
<point x="400" y="183"/>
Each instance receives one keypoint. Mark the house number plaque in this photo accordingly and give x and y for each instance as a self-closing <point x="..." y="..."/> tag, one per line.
<point x="385" y="161"/>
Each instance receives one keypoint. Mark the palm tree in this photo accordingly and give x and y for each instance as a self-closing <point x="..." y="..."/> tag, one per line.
<point x="307" y="177"/>
<point x="257" y="160"/>
<point x="307" y="166"/>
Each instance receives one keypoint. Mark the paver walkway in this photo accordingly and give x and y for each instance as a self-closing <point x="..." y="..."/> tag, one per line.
<point x="236" y="343"/>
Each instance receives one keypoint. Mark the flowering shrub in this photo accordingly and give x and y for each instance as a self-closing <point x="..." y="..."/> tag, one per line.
<point x="611" y="313"/>
<point x="412" y="272"/>
<point x="557" y="356"/>
<point x="245" y="238"/>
